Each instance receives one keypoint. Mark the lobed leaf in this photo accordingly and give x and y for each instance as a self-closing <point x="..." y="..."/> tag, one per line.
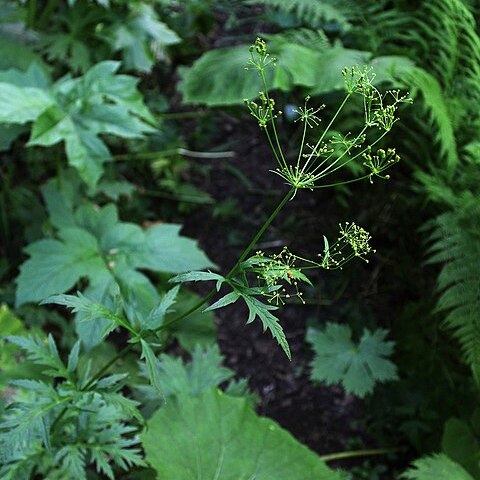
<point x="217" y="436"/>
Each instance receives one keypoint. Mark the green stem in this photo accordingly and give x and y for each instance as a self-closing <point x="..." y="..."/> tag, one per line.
<point x="242" y="257"/>
<point x="300" y="150"/>
<point x="61" y="414"/>
<point x="327" y="128"/>
<point x="100" y="372"/>
<point x="272" y="119"/>
<point x="210" y="294"/>
<point x="357" y="453"/>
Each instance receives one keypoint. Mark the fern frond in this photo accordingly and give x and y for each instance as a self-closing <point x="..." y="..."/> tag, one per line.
<point x="456" y="243"/>
<point x="441" y="37"/>
<point x="313" y="12"/>
<point x="438" y="113"/>
<point x="306" y="37"/>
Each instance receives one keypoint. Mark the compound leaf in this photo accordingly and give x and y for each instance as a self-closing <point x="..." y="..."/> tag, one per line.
<point x="257" y="308"/>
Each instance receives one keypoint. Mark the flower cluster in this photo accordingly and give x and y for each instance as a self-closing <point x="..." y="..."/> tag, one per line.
<point x="329" y="153"/>
<point x="259" y="56"/>
<point x="277" y="275"/>
<point x="353" y="241"/>
<point x="264" y="111"/>
<point x="380" y="162"/>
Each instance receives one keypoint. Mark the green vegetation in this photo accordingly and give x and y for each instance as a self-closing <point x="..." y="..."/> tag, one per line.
<point x="132" y="165"/>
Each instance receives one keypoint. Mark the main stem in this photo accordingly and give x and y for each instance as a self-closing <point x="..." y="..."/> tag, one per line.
<point x="209" y="295"/>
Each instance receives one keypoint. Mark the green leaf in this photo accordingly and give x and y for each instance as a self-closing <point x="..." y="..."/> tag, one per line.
<point x="218" y="77"/>
<point x="219" y="437"/>
<point x="257" y="308"/>
<point x="294" y="67"/>
<point x="152" y="365"/>
<point x="196" y="277"/>
<point x="436" y="467"/>
<point x="357" y="367"/>
<point x="76" y="111"/>
<point x="56" y="265"/>
<point x="201" y="374"/>
<point x="16" y="55"/>
<point x="104" y="250"/>
<point x="438" y="112"/>
<point x="228" y="299"/>
<point x="328" y="68"/>
<point x="314" y="13"/>
<point x="9" y="325"/>
<point x="90" y="310"/>
<point x="165" y="250"/>
<point x="35" y="76"/>
<point x="461" y="445"/>
<point x="59" y="204"/>
<point x="157" y="315"/>
<point x="72" y="362"/>
<point x="135" y="36"/>
<point x="85" y="151"/>
<point x="42" y="353"/>
<point x="22" y="104"/>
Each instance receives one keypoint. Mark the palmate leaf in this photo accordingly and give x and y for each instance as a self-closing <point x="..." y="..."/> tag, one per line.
<point x="101" y="248"/>
<point x="77" y="111"/>
<point x="216" y="436"/>
<point x="22" y="104"/>
<point x="134" y="37"/>
<point x="357" y="367"/>
<point x="56" y="265"/>
<point x="436" y="467"/>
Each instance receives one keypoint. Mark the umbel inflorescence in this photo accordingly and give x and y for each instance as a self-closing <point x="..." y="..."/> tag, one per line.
<point x="330" y="152"/>
<point x="274" y="278"/>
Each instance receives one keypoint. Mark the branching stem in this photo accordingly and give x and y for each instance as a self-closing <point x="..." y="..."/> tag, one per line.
<point x="209" y="295"/>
